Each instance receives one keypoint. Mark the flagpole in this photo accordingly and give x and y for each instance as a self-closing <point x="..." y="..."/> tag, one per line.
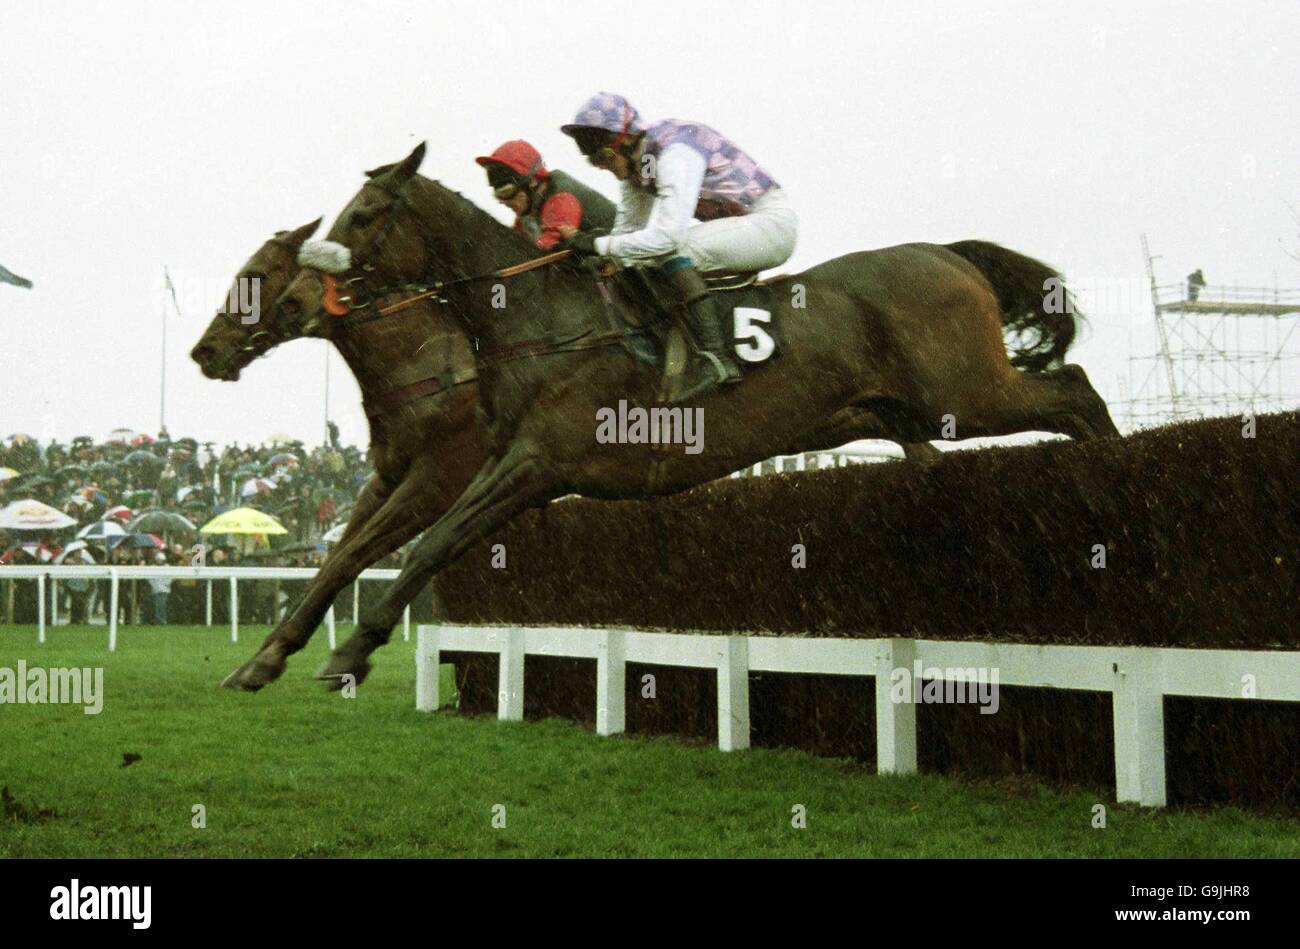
<point x="162" y="374"/>
<point x="327" y="391"/>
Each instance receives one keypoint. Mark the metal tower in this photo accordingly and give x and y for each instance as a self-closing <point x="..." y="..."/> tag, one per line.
<point x="1222" y="350"/>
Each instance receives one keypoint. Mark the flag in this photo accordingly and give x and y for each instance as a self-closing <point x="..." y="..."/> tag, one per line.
<point x="17" y="281"/>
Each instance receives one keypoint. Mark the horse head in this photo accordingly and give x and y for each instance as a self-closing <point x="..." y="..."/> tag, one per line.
<point x="374" y="247"/>
<point x="236" y="337"/>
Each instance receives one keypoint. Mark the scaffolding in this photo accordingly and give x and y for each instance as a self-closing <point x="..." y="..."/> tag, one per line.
<point x="1221" y="350"/>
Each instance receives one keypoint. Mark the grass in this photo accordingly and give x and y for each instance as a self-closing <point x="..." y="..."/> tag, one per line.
<point x="294" y="771"/>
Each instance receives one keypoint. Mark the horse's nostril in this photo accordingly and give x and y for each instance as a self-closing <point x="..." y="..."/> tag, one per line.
<point x="201" y="354"/>
<point x="290" y="308"/>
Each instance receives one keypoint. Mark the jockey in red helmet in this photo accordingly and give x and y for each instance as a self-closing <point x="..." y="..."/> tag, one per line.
<point x="543" y="200"/>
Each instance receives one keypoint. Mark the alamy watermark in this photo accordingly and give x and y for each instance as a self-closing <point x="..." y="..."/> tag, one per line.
<point x="655" y="426"/>
<point x="240" y="298"/>
<point x="931" y="685"/>
<point x="41" y="686"/>
<point x="75" y="901"/>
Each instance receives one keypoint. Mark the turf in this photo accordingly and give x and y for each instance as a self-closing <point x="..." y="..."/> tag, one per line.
<point x="294" y="771"/>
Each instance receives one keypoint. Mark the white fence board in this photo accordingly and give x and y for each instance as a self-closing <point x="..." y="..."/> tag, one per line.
<point x="1138" y="678"/>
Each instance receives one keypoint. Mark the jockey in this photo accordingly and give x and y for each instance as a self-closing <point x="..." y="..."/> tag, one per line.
<point x="672" y="172"/>
<point x="543" y="200"/>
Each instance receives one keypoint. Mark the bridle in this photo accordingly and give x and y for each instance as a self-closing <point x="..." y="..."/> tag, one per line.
<point x="348" y="292"/>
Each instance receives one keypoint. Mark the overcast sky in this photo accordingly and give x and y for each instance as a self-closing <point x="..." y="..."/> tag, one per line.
<point x="134" y="135"/>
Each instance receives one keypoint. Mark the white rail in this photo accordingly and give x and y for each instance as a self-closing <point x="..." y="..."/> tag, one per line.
<point x="1138" y="679"/>
<point x="50" y="575"/>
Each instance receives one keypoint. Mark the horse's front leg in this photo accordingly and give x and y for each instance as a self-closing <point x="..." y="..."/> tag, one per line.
<point x="380" y="528"/>
<point x="502" y="489"/>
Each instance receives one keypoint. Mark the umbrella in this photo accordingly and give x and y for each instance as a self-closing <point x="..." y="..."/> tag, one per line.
<point x="143" y="457"/>
<point x="256" y="486"/>
<point x="31" y="515"/>
<point x="110" y="532"/>
<point x="243" y="520"/>
<point x="162" y="522"/>
<point x="186" y="491"/>
<point x="283" y="458"/>
<point x="119" y="513"/>
<point x="38" y="552"/>
<point x="70" y="472"/>
<point x="102" y="468"/>
<point x="142" y="439"/>
<point x="120" y="436"/>
<point x="77" y="547"/>
<point x="7" y="473"/>
<point x="146" y="540"/>
<point x="138" y="498"/>
<point x="18" y="438"/>
<point x="78" y="502"/>
<point x="335" y="534"/>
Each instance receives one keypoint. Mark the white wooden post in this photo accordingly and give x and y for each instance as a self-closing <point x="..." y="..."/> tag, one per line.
<point x="733" y="693"/>
<point x="40" y="608"/>
<point x="234" y="610"/>
<point x="406" y="623"/>
<point x="510" y="676"/>
<point x="1139" y="714"/>
<point x="54" y="601"/>
<point x="427" y="658"/>
<point x="112" y="609"/>
<point x="329" y="626"/>
<point x="801" y="462"/>
<point x="895" y="721"/>
<point x="356" y="601"/>
<point x="209" y="605"/>
<point x="611" y="682"/>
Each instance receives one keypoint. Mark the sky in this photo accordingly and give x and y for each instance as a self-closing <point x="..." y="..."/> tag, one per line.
<point x="135" y="136"/>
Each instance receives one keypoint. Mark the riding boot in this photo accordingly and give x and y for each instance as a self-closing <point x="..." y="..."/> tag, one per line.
<point x="711" y="364"/>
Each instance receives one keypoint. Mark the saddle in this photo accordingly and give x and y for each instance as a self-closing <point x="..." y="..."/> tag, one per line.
<point x="640" y="304"/>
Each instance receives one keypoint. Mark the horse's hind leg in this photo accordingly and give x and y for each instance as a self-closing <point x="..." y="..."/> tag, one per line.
<point x="1088" y="416"/>
<point x="502" y="488"/>
<point x="1058" y="400"/>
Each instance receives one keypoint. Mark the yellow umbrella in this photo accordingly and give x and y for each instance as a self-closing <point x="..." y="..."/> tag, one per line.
<point x="243" y="520"/>
<point x="7" y="473"/>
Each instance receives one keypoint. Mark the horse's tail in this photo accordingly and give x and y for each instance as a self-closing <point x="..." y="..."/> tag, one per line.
<point x="1038" y="313"/>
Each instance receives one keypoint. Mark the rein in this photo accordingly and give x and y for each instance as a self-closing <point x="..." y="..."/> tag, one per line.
<point x="341" y="305"/>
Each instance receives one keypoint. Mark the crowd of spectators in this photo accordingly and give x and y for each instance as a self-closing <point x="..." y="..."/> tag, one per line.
<point x="307" y="491"/>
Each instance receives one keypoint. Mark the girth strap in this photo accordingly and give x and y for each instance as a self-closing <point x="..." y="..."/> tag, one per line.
<point x="396" y="398"/>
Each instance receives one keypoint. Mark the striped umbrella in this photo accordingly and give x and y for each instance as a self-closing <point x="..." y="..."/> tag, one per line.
<point x="108" y="533"/>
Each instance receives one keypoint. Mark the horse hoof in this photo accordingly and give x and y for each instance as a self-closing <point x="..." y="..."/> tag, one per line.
<point x="253" y="675"/>
<point x="342" y="671"/>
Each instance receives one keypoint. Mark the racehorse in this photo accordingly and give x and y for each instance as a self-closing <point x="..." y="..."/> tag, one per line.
<point x="901" y="342"/>
<point x="418" y="386"/>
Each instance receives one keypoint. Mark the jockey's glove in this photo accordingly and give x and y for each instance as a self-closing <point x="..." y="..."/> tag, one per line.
<point x="582" y="244"/>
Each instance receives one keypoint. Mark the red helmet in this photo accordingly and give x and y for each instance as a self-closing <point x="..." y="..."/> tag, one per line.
<point x="519" y="157"/>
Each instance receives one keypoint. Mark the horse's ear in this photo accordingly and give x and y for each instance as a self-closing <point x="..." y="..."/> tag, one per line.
<point x="410" y="164"/>
<point x="376" y="172"/>
<point x="299" y="236"/>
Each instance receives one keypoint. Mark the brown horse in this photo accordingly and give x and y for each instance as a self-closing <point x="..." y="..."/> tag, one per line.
<point x="418" y="386"/>
<point x="416" y="373"/>
<point x="899" y="343"/>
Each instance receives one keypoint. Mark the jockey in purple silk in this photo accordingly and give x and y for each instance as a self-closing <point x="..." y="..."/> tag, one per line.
<point x="692" y="201"/>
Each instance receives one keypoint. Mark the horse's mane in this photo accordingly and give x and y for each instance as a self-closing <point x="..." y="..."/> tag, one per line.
<point x="515" y="242"/>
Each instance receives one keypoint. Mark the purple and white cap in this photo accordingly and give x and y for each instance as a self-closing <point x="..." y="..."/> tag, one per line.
<point x="608" y="111"/>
